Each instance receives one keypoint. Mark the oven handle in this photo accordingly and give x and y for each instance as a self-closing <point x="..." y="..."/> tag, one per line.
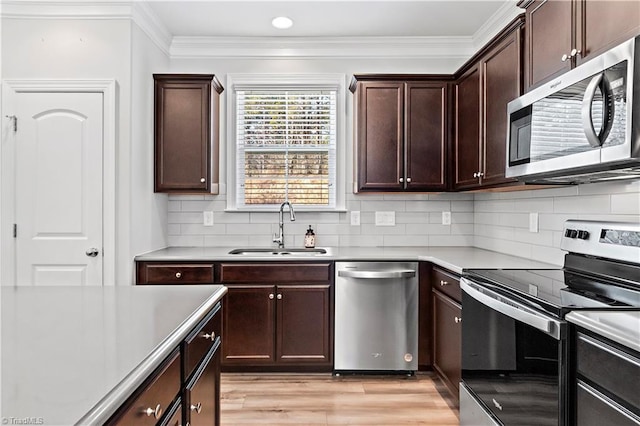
<point x="514" y="309"/>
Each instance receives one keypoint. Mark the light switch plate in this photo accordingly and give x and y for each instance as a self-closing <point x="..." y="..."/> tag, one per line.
<point x="386" y="218"/>
<point x="446" y="218"/>
<point x="207" y="218"/>
<point x="355" y="218"/>
<point x="533" y="222"/>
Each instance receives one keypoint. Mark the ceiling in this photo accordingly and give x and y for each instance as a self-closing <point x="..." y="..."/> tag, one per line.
<point x="326" y="18"/>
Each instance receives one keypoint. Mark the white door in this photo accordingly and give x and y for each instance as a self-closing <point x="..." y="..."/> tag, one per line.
<point x="59" y="188"/>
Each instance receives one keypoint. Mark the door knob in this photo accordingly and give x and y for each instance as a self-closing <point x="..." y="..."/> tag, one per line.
<point x="92" y="252"/>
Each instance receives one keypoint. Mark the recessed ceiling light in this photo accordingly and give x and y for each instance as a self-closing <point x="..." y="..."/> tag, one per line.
<point x="282" y="22"/>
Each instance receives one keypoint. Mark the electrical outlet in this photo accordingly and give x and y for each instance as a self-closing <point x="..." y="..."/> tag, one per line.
<point x="533" y="222"/>
<point x="446" y="218"/>
<point x="207" y="218"/>
<point x="385" y="218"/>
<point x="355" y="218"/>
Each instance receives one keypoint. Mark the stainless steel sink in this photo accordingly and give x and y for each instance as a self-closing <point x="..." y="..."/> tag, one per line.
<point x="279" y="252"/>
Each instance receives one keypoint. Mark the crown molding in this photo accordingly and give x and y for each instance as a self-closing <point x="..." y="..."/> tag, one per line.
<point x="496" y="22"/>
<point x="138" y="12"/>
<point x="322" y="47"/>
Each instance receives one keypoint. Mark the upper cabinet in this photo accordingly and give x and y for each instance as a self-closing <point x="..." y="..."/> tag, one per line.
<point x="562" y="34"/>
<point x="400" y="132"/>
<point x="186" y="133"/>
<point x="482" y="91"/>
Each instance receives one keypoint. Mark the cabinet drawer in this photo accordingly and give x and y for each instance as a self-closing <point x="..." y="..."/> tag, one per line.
<point x="202" y="340"/>
<point x="175" y="273"/>
<point x="595" y="409"/>
<point x="610" y="368"/>
<point x="447" y="283"/>
<point x="156" y="396"/>
<point x="274" y="272"/>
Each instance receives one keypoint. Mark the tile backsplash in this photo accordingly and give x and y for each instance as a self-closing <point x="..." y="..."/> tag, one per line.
<point x="497" y="221"/>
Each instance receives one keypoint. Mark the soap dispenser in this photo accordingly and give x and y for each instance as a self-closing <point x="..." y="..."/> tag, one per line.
<point x="309" y="238"/>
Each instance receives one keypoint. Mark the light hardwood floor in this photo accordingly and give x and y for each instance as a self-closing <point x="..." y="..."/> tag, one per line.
<point x="321" y="399"/>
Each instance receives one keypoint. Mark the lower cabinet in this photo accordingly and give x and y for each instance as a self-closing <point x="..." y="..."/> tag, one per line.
<point x="285" y="323"/>
<point x="185" y="388"/>
<point x="447" y="332"/>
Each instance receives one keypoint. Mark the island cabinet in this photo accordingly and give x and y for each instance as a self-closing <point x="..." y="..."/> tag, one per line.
<point x="400" y="132"/>
<point x="447" y="333"/>
<point x="278" y="316"/>
<point x="483" y="88"/>
<point x="563" y="34"/>
<point x="186" y="133"/>
<point x="185" y="388"/>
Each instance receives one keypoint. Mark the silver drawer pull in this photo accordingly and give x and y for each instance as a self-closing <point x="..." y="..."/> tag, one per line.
<point x="155" y="413"/>
<point x="271" y="296"/>
<point x="202" y="180"/>
<point x="197" y="407"/>
<point x="279" y="296"/>
<point x="178" y="274"/>
<point x="458" y="320"/>
<point x="443" y="283"/>
<point x="211" y="336"/>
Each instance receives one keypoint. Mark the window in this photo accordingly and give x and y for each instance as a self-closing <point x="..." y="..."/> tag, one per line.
<point x="286" y="138"/>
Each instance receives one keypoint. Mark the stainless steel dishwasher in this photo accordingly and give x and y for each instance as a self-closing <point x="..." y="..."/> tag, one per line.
<point x="376" y="317"/>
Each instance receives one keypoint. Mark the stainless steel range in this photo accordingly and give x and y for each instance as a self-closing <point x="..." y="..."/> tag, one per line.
<point x="515" y="345"/>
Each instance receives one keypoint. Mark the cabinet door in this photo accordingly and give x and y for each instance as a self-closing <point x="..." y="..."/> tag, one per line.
<point x="447" y="340"/>
<point x="603" y="24"/>
<point x="467" y="130"/>
<point x="501" y="70"/>
<point x="248" y="334"/>
<point x="549" y="35"/>
<point x="183" y="136"/>
<point x="379" y="135"/>
<point x="304" y="324"/>
<point x="426" y="136"/>
<point x="204" y="394"/>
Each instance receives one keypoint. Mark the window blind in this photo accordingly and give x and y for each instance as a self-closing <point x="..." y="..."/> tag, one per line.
<point x="286" y="147"/>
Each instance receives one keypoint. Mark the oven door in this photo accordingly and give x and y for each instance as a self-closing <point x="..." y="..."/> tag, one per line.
<point x="513" y="360"/>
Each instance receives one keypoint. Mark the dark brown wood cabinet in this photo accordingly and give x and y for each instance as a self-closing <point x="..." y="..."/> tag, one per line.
<point x="447" y="332"/>
<point x="186" y="133"/>
<point x="562" y="34"/>
<point x="401" y="132"/>
<point x="175" y="273"/>
<point x="278" y="316"/>
<point x="482" y="91"/>
<point x="185" y="388"/>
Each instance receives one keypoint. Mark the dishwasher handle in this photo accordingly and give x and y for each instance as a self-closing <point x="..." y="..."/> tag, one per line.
<point x="377" y="274"/>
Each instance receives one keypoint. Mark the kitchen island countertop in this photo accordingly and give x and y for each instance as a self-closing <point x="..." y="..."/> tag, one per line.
<point x="455" y="259"/>
<point x="74" y="354"/>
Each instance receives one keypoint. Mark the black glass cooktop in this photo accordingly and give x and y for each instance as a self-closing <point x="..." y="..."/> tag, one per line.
<point x="558" y="291"/>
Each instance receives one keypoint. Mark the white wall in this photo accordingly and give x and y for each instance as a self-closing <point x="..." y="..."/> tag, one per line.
<point x="502" y="219"/>
<point x="148" y="230"/>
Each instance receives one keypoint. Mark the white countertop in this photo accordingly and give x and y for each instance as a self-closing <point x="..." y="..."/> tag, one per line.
<point x="455" y="259"/>
<point x="72" y="353"/>
<point x="620" y="326"/>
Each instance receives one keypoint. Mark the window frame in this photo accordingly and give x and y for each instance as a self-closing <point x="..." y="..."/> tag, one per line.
<point x="285" y="81"/>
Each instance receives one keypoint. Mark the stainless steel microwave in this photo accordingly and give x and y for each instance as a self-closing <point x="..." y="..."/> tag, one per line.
<point x="581" y="127"/>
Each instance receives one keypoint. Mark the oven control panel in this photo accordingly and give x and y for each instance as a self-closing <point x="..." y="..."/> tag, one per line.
<point x="612" y="240"/>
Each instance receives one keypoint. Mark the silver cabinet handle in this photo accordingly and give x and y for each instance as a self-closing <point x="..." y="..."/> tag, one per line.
<point x="443" y="283"/>
<point x="401" y="180"/>
<point x="178" y="274"/>
<point x="575" y="52"/>
<point x="271" y="296"/>
<point x="400" y="273"/>
<point x="279" y="296"/>
<point x="458" y="320"/>
<point x="565" y="58"/>
<point x="408" y="180"/>
<point x="211" y="336"/>
<point x="197" y="407"/>
<point x="92" y="252"/>
<point x="475" y="174"/>
<point x="202" y="180"/>
<point x="156" y="413"/>
<point x="480" y="174"/>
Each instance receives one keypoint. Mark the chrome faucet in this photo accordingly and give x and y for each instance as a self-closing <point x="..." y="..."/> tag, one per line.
<point x="279" y="237"/>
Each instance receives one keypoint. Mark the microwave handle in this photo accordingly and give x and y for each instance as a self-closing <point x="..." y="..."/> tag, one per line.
<point x="597" y="139"/>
